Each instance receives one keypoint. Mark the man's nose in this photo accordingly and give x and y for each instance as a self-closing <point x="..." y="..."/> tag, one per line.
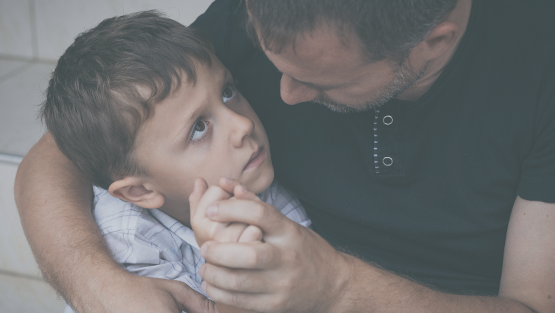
<point x="293" y="92"/>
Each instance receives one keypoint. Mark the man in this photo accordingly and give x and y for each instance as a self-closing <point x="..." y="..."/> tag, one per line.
<point x="441" y="174"/>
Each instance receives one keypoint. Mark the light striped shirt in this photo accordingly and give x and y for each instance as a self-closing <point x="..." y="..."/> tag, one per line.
<point x="148" y="242"/>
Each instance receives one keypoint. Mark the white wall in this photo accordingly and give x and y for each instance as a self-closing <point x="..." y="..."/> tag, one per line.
<point x="33" y="34"/>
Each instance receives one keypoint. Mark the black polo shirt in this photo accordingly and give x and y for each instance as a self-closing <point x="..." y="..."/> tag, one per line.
<point x="425" y="188"/>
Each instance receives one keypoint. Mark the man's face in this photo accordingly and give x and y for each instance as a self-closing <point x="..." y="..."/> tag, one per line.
<point x="205" y="130"/>
<point x="323" y="69"/>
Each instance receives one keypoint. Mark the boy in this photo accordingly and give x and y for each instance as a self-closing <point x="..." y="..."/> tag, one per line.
<point x="142" y="107"/>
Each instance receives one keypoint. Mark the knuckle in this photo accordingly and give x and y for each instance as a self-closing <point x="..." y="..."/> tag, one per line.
<point x="251" y="258"/>
<point x="259" y="212"/>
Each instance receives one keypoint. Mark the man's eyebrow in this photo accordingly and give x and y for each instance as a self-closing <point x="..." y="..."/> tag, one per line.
<point x="318" y="87"/>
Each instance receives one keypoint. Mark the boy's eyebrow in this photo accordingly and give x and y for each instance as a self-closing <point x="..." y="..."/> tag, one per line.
<point x="188" y="124"/>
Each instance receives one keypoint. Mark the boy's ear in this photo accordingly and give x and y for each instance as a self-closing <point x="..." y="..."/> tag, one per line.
<point x="136" y="191"/>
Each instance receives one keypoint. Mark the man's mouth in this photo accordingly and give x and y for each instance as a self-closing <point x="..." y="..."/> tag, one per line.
<point x="256" y="158"/>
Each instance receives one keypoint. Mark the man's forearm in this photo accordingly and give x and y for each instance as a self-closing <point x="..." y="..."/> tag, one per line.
<point x="372" y="289"/>
<point x="54" y="204"/>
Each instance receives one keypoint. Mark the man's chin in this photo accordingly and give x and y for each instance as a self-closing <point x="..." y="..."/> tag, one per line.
<point x="343" y="108"/>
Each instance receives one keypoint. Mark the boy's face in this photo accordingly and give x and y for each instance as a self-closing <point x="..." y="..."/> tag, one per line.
<point x="205" y="130"/>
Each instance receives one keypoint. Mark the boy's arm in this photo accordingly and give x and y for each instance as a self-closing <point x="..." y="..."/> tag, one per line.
<point x="54" y="203"/>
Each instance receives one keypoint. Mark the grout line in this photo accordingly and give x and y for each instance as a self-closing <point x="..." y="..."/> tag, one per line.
<point x="34" y="29"/>
<point x="26" y="59"/>
<point x="10" y="158"/>
<point x="18" y="70"/>
<point x="20" y="275"/>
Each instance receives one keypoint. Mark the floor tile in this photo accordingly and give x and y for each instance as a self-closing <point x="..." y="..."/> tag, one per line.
<point x="56" y="31"/>
<point x="15" y="28"/>
<point x="15" y="254"/>
<point x="21" y="295"/>
<point x="19" y="105"/>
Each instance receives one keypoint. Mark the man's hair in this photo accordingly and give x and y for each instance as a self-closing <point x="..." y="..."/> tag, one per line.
<point x="384" y="28"/>
<point x="106" y="84"/>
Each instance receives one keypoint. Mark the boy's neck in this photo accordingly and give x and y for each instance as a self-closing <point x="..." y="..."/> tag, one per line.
<point x="179" y="211"/>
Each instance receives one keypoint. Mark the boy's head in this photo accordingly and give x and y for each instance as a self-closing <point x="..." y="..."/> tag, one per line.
<point x="142" y="107"/>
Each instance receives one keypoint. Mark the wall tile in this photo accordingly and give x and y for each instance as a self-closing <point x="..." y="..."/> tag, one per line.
<point x="8" y="67"/>
<point x="59" y="21"/>
<point x="21" y="295"/>
<point x="15" y="28"/>
<point x="21" y="96"/>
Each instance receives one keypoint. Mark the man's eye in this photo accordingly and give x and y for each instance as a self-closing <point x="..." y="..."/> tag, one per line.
<point x="228" y="93"/>
<point x="199" y="131"/>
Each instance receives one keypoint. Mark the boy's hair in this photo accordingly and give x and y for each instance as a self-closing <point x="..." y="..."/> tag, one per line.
<point x="384" y="28"/>
<point x="106" y="83"/>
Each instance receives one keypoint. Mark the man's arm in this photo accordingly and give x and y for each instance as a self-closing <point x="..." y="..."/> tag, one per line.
<point x="54" y="203"/>
<point x="296" y="270"/>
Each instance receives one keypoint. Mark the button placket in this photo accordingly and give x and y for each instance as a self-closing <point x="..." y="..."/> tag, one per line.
<point x="376" y="162"/>
<point x="385" y="147"/>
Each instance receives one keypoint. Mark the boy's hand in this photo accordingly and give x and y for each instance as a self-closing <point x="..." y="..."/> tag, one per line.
<point x="199" y="201"/>
<point x="203" y="198"/>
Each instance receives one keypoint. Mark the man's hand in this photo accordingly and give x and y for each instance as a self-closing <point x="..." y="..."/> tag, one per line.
<point x="294" y="269"/>
<point x="144" y="294"/>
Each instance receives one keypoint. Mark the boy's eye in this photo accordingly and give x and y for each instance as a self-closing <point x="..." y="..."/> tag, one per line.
<point x="228" y="93"/>
<point x="199" y="130"/>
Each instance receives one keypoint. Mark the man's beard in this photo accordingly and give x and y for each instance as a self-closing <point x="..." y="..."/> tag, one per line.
<point x="404" y="78"/>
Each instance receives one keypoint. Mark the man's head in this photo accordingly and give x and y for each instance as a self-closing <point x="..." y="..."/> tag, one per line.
<point x="353" y="55"/>
<point x="143" y="108"/>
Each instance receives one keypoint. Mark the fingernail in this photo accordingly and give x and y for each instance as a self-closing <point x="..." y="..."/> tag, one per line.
<point x="244" y="189"/>
<point x="201" y="271"/>
<point x="203" y="286"/>
<point x="212" y="210"/>
<point x="203" y="251"/>
<point x="228" y="180"/>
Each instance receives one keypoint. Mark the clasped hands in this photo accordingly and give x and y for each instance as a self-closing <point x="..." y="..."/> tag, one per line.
<point x="259" y="260"/>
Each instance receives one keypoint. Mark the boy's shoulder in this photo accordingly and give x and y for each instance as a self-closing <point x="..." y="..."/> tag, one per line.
<point x="136" y="234"/>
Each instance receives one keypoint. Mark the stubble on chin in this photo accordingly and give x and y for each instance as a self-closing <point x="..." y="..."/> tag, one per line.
<point x="404" y="78"/>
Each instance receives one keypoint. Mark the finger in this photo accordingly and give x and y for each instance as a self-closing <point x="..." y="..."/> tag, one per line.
<point x="250" y="302"/>
<point x="231" y="233"/>
<point x="212" y="195"/>
<point x="257" y="213"/>
<point x="251" y="233"/>
<point x="199" y="189"/>
<point x="194" y="302"/>
<point x="241" y="192"/>
<point x="252" y="255"/>
<point x="228" y="184"/>
<point x="235" y="280"/>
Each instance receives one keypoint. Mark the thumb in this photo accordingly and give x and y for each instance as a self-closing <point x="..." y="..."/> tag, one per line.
<point x="198" y="191"/>
<point x="194" y="302"/>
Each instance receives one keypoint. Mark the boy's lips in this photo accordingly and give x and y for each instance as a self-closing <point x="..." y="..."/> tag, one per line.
<point x="256" y="158"/>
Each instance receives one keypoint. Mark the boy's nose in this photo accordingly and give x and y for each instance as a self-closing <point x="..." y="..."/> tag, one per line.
<point x="242" y="127"/>
<point x="293" y="92"/>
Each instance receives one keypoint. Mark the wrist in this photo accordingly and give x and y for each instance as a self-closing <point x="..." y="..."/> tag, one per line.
<point x="340" y="297"/>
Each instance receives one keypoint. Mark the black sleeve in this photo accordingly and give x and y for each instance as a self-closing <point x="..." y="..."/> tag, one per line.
<point x="537" y="182"/>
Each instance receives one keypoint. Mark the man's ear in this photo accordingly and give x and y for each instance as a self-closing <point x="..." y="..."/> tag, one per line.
<point x="135" y="190"/>
<point x="440" y="39"/>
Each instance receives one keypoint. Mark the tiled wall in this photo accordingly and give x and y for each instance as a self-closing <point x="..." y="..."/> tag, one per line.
<point x="33" y="34"/>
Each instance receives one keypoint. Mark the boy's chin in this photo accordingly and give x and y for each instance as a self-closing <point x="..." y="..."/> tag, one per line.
<point x="262" y="182"/>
